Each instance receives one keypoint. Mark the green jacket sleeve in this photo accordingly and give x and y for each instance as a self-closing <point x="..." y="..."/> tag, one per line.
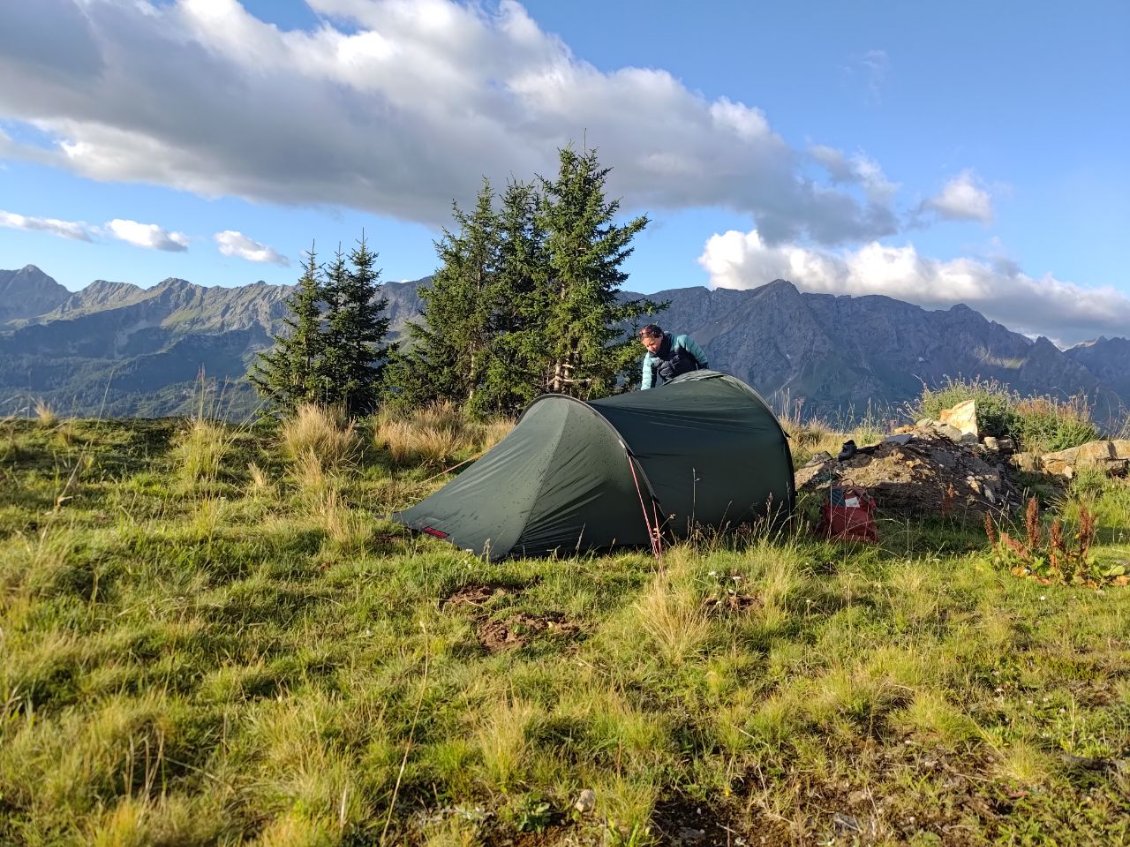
<point x="688" y="344"/>
<point x="645" y="383"/>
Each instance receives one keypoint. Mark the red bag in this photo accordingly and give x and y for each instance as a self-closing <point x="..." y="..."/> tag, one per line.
<point x="849" y="515"/>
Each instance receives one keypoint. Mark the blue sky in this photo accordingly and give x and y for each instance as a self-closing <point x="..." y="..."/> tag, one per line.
<point x="938" y="153"/>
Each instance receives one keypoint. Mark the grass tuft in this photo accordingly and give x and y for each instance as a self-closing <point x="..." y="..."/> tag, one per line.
<point x="315" y="433"/>
<point x="671" y="614"/>
<point x="44" y="413"/>
<point x="504" y="744"/>
<point x="201" y="451"/>
<point x="436" y="435"/>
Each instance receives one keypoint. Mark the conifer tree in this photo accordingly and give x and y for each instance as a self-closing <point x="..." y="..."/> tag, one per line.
<point x="585" y="343"/>
<point x="451" y="348"/>
<point x="525" y="298"/>
<point x="287" y="375"/>
<point x="514" y="375"/>
<point x="356" y="326"/>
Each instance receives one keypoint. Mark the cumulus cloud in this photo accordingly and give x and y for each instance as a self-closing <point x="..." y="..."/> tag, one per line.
<point x="54" y="226"/>
<point x="858" y="169"/>
<point x="147" y="235"/>
<point x="962" y="199"/>
<point x="233" y="243"/>
<point x="396" y="107"/>
<point x="1062" y="311"/>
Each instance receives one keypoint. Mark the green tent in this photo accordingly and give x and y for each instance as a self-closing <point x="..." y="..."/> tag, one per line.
<point x="704" y="449"/>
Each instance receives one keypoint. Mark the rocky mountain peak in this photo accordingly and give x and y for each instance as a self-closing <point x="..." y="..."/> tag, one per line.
<point x="778" y="288"/>
<point x="28" y="292"/>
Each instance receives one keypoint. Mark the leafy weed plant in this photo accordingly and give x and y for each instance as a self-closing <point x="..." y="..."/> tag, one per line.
<point x="1057" y="556"/>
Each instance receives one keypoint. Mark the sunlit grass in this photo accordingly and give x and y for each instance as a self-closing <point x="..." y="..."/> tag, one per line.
<point x="234" y="646"/>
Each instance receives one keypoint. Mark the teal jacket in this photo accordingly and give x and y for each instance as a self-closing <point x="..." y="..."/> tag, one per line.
<point x="672" y="345"/>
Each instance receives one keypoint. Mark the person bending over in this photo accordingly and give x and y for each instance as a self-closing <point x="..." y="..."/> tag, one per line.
<point x="668" y="356"/>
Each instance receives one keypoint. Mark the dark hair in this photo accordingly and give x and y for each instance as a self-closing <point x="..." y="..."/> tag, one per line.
<point x="651" y="331"/>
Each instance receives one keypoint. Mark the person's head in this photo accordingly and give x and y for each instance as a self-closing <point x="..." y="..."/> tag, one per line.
<point x="651" y="336"/>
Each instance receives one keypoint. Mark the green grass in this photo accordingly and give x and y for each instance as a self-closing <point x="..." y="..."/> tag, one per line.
<point x="244" y="651"/>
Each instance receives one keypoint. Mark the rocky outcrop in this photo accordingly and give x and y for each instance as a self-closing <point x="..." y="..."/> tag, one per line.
<point x="1112" y="457"/>
<point x="917" y="474"/>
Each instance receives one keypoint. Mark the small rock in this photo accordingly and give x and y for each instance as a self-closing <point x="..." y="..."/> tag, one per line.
<point x="586" y="802"/>
<point x="818" y="458"/>
<point x="1029" y="462"/>
<point x="991" y="443"/>
<point x="951" y="432"/>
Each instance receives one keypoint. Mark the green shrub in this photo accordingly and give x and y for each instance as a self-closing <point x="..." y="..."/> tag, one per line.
<point x="1044" y="425"/>
<point x="1040" y="424"/>
<point x="995" y="403"/>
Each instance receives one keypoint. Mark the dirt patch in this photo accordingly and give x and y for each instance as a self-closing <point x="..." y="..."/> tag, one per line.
<point x="499" y="630"/>
<point x="681" y="823"/>
<point x="922" y="474"/>
<point x="476" y="595"/>
<point x="519" y="629"/>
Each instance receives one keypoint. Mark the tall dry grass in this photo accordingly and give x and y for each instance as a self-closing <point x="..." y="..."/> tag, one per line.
<point x="436" y="435"/>
<point x="319" y="434"/>
<point x="44" y="413"/>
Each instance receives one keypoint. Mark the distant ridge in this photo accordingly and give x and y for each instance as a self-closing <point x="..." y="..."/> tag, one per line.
<point x="124" y="350"/>
<point x="28" y="292"/>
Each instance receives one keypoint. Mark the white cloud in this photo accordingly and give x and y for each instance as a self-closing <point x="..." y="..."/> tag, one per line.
<point x="870" y="69"/>
<point x="1045" y="306"/>
<point x="147" y="235"/>
<point x="858" y="169"/>
<point x="54" y="226"/>
<point x="232" y="243"/>
<point x="396" y="107"/>
<point x="963" y="199"/>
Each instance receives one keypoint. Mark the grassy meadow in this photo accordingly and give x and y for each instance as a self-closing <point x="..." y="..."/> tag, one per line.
<point x="212" y="634"/>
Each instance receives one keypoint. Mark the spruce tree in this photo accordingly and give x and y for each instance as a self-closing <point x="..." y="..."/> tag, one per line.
<point x="587" y="352"/>
<point x="525" y="299"/>
<point x="356" y="326"/>
<point x="287" y="375"/>
<point x="514" y="375"/>
<point x="450" y="350"/>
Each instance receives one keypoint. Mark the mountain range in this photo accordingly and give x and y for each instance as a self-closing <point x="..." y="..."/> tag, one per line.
<point x="115" y="349"/>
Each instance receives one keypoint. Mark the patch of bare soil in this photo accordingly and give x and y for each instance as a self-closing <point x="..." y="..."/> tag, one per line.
<point x="926" y="475"/>
<point x="858" y="811"/>
<point x="475" y="595"/>
<point x="499" y="631"/>
<point x="518" y="629"/>
<point x="681" y="823"/>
